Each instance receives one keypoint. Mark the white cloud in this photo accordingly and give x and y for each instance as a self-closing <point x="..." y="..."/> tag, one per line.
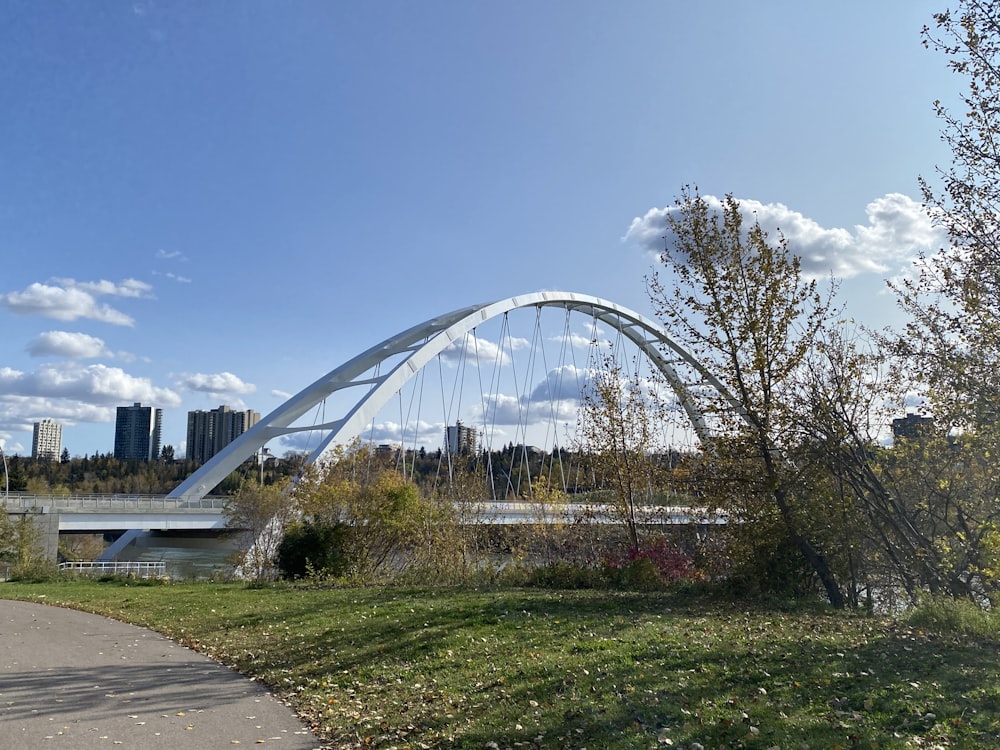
<point x="898" y="230"/>
<point x="126" y="288"/>
<point x="422" y="433"/>
<point x="170" y="255"/>
<point x="561" y="384"/>
<point x="280" y="394"/>
<point x="578" y="340"/>
<point x="67" y="299"/>
<point x="216" y="383"/>
<point x="503" y="409"/>
<point x="66" y="344"/>
<point x="19" y="413"/>
<point x="477" y="350"/>
<point x="95" y="385"/>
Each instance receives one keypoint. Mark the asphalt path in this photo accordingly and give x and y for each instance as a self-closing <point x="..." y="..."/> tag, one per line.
<point x="78" y="681"/>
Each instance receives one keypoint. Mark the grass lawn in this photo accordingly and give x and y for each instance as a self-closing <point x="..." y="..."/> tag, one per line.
<point x="443" y="668"/>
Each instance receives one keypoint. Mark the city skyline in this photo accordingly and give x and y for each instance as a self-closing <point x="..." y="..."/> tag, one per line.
<point x="205" y="206"/>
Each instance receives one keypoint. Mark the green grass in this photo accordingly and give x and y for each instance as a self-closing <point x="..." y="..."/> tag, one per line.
<point x="395" y="668"/>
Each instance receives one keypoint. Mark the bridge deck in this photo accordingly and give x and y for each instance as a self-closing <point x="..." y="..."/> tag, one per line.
<point x="94" y="513"/>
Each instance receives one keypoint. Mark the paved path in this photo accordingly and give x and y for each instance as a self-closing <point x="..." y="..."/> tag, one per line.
<point x="78" y="681"/>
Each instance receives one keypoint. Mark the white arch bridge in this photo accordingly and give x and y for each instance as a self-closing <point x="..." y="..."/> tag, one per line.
<point x="378" y="374"/>
<point x="369" y="381"/>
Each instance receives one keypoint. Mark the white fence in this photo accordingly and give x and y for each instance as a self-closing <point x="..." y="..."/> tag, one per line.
<point x="139" y="568"/>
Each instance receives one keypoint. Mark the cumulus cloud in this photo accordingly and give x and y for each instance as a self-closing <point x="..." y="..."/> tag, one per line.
<point x="68" y="299"/>
<point x="94" y="384"/>
<point x="217" y="383"/>
<point x="19" y="413"/>
<point x="66" y="344"/>
<point x="898" y="230"/>
<point x="478" y="351"/>
<point x="554" y="399"/>
<point x="561" y="384"/>
<point x="421" y="433"/>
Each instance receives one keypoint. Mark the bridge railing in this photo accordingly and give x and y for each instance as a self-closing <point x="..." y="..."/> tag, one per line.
<point x="120" y="503"/>
<point x="138" y="568"/>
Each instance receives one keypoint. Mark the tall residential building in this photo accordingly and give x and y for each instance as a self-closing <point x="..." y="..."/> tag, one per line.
<point x="912" y="426"/>
<point x="46" y="440"/>
<point x="459" y="439"/>
<point x="209" y="432"/>
<point x="137" y="432"/>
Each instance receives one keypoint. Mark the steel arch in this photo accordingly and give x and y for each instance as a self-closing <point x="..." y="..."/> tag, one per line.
<point x="423" y="342"/>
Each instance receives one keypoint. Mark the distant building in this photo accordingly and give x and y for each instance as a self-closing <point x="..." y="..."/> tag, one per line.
<point x="459" y="439"/>
<point x="46" y="440"/>
<point x="137" y="432"/>
<point x="208" y="432"/>
<point x="912" y="426"/>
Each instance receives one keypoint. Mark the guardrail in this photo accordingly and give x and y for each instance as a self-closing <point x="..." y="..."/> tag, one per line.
<point x="138" y="568"/>
<point x="119" y="503"/>
<point x="481" y="511"/>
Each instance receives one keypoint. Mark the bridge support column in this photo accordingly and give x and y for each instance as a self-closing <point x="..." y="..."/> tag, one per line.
<point x="116" y="547"/>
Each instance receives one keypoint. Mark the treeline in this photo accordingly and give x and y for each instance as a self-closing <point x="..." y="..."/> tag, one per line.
<point x="102" y="473"/>
<point x="508" y="473"/>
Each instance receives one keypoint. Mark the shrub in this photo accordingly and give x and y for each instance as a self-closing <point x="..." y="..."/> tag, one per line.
<point x="650" y="567"/>
<point x="557" y="575"/>
<point x="313" y="549"/>
<point x="943" y="614"/>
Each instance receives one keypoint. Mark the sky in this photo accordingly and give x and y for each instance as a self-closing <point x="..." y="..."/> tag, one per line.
<point x="206" y="203"/>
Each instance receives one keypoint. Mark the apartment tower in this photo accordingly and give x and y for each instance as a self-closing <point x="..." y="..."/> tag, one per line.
<point x="46" y="440"/>
<point x="459" y="439"/>
<point x="137" y="432"/>
<point x="208" y="432"/>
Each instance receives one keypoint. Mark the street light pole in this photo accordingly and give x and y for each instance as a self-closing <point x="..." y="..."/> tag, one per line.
<point x="6" y="476"/>
<point x="263" y="456"/>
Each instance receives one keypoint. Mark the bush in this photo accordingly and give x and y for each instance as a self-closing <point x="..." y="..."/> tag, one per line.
<point x="35" y="571"/>
<point x="557" y="575"/>
<point x="650" y="568"/>
<point x="943" y="614"/>
<point x="313" y="549"/>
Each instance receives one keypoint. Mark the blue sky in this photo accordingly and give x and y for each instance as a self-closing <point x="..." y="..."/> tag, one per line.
<point x="208" y="203"/>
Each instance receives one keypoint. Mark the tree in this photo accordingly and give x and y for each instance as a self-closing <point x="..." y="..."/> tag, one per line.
<point x="940" y="491"/>
<point x="259" y="515"/>
<point x="953" y="339"/>
<point x="392" y="526"/>
<point x="740" y="303"/>
<point x="21" y="543"/>
<point x="619" y="441"/>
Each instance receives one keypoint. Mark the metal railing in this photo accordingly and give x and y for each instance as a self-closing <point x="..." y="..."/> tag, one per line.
<point x="137" y="568"/>
<point x="121" y="503"/>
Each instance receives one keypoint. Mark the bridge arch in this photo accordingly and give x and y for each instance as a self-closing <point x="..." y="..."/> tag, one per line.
<point x="418" y="345"/>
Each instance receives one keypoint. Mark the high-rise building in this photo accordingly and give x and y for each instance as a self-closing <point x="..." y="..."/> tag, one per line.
<point x="46" y="440"/>
<point x="912" y="426"/>
<point x="137" y="432"/>
<point x="459" y="439"/>
<point x="208" y="432"/>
